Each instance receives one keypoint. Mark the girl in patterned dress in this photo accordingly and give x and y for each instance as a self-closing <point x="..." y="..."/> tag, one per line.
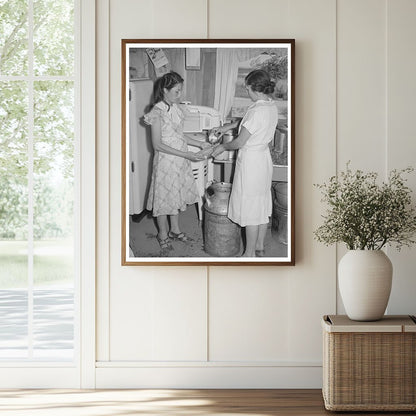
<point x="173" y="186"/>
<point x="250" y="201"/>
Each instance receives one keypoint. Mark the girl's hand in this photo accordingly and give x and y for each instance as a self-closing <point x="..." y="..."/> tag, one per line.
<point x="194" y="157"/>
<point x="205" y="145"/>
<point x="218" y="150"/>
<point x="205" y="153"/>
<point x="199" y="136"/>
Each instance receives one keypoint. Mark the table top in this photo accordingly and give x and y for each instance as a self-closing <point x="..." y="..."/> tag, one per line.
<point x="389" y="323"/>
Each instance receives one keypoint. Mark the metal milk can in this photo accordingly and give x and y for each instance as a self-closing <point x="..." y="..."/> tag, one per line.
<point x="221" y="236"/>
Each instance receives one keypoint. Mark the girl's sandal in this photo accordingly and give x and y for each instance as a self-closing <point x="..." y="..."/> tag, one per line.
<point x="164" y="243"/>
<point x="260" y="253"/>
<point x="179" y="236"/>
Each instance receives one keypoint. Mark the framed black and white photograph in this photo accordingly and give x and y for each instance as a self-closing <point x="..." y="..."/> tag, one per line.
<point x="208" y="152"/>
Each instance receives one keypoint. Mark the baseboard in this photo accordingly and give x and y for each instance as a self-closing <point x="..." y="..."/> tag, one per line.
<point x="210" y="377"/>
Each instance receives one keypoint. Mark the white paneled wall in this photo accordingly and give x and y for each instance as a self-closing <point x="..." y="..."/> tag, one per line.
<point x="361" y="88"/>
<point x="254" y="326"/>
<point x="163" y="314"/>
<point x="401" y="132"/>
<point x="248" y="315"/>
<point x="361" y="84"/>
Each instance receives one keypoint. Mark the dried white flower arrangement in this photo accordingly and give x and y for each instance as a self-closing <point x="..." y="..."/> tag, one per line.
<point x="366" y="215"/>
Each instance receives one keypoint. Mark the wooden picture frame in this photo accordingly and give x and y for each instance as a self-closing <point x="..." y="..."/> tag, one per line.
<point x="211" y="97"/>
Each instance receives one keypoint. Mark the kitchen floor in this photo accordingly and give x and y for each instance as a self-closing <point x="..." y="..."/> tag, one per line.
<point x="143" y="241"/>
<point x="208" y="402"/>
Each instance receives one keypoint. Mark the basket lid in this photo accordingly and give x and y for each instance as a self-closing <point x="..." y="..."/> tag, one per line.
<point x="390" y="323"/>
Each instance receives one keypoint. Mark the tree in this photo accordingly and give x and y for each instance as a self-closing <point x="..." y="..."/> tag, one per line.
<point x="53" y="117"/>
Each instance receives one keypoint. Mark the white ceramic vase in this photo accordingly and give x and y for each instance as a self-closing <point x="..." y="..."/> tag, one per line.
<point x="364" y="278"/>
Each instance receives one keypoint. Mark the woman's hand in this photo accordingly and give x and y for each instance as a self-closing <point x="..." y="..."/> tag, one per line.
<point x="216" y="133"/>
<point x="219" y="129"/>
<point x="215" y="130"/>
<point x="218" y="150"/>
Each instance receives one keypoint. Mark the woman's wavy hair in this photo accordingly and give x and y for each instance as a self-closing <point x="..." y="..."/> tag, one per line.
<point x="259" y="80"/>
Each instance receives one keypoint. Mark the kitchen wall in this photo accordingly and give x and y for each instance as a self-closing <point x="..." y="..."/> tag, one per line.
<point x="220" y="327"/>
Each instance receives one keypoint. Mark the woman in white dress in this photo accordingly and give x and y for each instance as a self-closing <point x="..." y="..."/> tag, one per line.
<point x="251" y="201"/>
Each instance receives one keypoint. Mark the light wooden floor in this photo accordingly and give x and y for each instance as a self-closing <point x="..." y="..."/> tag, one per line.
<point x="165" y="402"/>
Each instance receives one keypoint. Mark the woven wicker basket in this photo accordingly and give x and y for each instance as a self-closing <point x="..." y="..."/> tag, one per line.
<point x="369" y="366"/>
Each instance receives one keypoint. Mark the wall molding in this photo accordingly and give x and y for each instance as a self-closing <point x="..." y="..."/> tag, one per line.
<point x="206" y="377"/>
<point x="204" y="364"/>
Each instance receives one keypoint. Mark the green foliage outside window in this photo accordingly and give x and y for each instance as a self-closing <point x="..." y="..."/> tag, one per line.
<point x="53" y="118"/>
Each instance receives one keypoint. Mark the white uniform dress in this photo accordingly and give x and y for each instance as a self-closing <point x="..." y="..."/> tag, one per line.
<point x="251" y="200"/>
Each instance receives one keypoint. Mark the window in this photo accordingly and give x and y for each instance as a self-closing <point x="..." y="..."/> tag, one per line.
<point x="38" y="184"/>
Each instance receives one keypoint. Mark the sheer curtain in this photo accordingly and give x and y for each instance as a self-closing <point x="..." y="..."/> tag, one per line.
<point x="227" y="71"/>
<point x="228" y="62"/>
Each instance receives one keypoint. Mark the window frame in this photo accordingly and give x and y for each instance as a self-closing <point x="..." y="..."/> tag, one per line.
<point x="81" y="371"/>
